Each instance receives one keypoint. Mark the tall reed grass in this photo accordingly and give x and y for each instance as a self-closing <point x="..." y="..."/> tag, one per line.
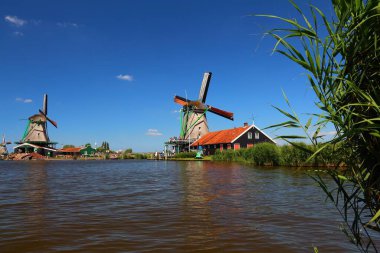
<point x="341" y="55"/>
<point x="286" y="155"/>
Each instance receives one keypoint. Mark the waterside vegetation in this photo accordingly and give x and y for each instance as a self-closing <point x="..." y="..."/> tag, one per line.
<point x="341" y="56"/>
<point x="286" y="155"/>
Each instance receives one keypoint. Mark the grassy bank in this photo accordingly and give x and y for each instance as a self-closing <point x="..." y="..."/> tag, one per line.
<point x="287" y="155"/>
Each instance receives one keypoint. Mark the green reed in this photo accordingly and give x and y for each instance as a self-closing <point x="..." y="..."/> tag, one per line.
<point x="341" y="57"/>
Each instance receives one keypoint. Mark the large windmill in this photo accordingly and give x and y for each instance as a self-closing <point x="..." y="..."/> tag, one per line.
<point x="193" y="113"/>
<point x="3" y="147"/>
<point x="36" y="138"/>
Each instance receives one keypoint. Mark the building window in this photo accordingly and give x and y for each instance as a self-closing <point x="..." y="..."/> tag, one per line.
<point x="257" y="135"/>
<point x="250" y="135"/>
<point x="228" y="146"/>
<point x="236" y="146"/>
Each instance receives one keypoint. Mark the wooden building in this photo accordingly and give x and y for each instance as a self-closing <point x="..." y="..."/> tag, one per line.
<point x="77" y="151"/>
<point x="235" y="138"/>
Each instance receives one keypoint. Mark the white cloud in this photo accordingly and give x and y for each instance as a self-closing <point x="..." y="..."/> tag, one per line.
<point x="67" y="24"/>
<point x="15" y="20"/>
<point x="153" y="132"/>
<point x="125" y="77"/>
<point x="24" y="100"/>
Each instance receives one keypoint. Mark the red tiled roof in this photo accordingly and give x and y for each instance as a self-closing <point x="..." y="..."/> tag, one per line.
<point x="223" y="136"/>
<point x="71" y="150"/>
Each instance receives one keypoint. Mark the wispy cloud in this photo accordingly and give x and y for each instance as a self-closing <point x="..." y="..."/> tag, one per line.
<point x="17" y="33"/>
<point x="153" y="132"/>
<point x="125" y="77"/>
<point x="24" y="100"/>
<point x="35" y="22"/>
<point x="67" y="24"/>
<point x="14" y="20"/>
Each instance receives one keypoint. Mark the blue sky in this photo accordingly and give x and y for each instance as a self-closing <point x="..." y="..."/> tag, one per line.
<point x="111" y="68"/>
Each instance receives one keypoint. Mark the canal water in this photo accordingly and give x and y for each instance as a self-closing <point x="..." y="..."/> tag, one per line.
<point x="158" y="206"/>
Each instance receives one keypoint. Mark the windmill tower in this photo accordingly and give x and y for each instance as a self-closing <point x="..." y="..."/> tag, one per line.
<point x="3" y="147"/>
<point x="36" y="138"/>
<point x="193" y="113"/>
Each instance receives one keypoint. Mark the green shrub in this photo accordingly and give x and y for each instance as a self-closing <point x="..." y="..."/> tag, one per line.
<point x="292" y="156"/>
<point x="264" y="153"/>
<point x="140" y="156"/>
<point x="127" y="155"/>
<point x="186" y="155"/>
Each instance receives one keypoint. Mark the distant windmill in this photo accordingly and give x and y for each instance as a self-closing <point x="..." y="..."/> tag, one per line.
<point x="193" y="113"/>
<point x="3" y="146"/>
<point x="36" y="136"/>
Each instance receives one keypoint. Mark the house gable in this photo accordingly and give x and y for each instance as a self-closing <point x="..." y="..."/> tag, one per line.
<point x="263" y="137"/>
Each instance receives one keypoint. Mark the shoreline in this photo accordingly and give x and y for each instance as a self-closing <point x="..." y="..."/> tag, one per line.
<point x="207" y="159"/>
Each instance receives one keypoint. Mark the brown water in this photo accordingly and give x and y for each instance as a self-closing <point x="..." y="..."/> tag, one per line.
<point x="156" y="206"/>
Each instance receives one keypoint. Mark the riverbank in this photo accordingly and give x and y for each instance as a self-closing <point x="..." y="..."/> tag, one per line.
<point x="263" y="154"/>
<point x="266" y="154"/>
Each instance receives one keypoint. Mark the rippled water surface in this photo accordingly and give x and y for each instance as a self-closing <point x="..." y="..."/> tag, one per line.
<point x="156" y="206"/>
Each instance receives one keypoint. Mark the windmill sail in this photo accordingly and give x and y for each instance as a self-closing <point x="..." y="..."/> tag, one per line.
<point x="193" y="120"/>
<point x="204" y="87"/>
<point x="225" y="114"/>
<point x="45" y="105"/>
<point x="50" y="120"/>
<point x="36" y="138"/>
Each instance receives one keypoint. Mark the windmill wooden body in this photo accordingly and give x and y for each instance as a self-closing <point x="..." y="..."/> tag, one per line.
<point x="3" y="147"/>
<point x="36" y="138"/>
<point x="193" y="114"/>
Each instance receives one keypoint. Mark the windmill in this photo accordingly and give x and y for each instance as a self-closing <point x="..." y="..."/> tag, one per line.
<point x="3" y="147"/>
<point x="193" y="113"/>
<point x="36" y="137"/>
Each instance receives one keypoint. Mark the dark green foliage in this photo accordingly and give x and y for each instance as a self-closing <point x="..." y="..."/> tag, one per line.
<point x="105" y="146"/>
<point x="342" y="59"/>
<point x="293" y="156"/>
<point x="68" y="146"/>
<point x="186" y="155"/>
<point x="227" y="155"/>
<point x="127" y="155"/>
<point x="286" y="155"/>
<point x="266" y="153"/>
<point x="140" y="156"/>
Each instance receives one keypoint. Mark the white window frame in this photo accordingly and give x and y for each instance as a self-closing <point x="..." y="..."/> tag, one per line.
<point x="249" y="135"/>
<point x="257" y="135"/>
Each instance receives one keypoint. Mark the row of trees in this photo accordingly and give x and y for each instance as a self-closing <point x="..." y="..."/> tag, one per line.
<point x="105" y="147"/>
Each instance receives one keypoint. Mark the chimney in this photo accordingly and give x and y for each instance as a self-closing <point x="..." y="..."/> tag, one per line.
<point x="245" y="124"/>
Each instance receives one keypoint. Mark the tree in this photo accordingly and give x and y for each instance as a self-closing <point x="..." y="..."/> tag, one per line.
<point x="105" y="145"/>
<point x="343" y="70"/>
<point x="68" y="146"/>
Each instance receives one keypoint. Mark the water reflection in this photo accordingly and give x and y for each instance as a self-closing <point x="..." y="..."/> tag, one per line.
<point x="154" y="206"/>
<point x="35" y="190"/>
